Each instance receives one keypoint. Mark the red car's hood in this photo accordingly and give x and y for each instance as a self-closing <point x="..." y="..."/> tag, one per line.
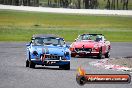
<point x="85" y="44"/>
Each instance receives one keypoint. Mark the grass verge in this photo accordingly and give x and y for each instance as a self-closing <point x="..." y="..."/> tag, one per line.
<point x="20" y="26"/>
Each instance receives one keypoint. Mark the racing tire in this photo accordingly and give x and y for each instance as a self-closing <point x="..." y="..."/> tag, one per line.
<point x="73" y="55"/>
<point x="81" y="80"/>
<point x="31" y="64"/>
<point x="27" y="63"/>
<point x="107" y="55"/>
<point x="82" y="55"/>
<point x="100" y="54"/>
<point x="65" y="67"/>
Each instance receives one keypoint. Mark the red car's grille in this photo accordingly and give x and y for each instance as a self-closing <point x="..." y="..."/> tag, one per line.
<point x="83" y="49"/>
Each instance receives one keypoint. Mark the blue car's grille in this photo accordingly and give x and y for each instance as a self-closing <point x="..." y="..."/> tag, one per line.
<point x="53" y="57"/>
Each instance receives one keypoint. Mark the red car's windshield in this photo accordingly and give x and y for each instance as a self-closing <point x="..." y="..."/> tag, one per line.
<point x="90" y="37"/>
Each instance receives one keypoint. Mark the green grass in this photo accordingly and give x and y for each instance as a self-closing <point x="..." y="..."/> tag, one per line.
<point x="20" y="26"/>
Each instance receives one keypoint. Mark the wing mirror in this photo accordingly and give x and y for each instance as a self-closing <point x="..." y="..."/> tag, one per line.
<point x="28" y="44"/>
<point x="64" y="42"/>
<point x="105" y="40"/>
<point x="68" y="46"/>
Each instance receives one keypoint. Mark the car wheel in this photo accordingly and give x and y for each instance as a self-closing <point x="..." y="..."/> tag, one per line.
<point x="100" y="54"/>
<point x="82" y="81"/>
<point x="65" y="67"/>
<point x="31" y="64"/>
<point x="27" y="63"/>
<point x="107" y="55"/>
<point x="82" y="55"/>
<point x="73" y="55"/>
<point x="61" y="66"/>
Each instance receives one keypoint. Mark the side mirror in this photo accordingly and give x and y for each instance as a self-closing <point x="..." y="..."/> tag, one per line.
<point x="64" y="42"/>
<point x="105" y="40"/>
<point x="28" y="44"/>
<point x="68" y="46"/>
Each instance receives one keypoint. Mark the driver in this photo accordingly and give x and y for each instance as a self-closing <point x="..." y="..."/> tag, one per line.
<point x="98" y="38"/>
<point x="40" y="41"/>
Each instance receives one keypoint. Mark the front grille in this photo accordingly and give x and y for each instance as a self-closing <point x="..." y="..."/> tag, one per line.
<point x="53" y="57"/>
<point x="83" y="49"/>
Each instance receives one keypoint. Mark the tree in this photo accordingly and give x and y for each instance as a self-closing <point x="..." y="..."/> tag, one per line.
<point x="113" y="4"/>
<point x="86" y="3"/>
<point x="125" y="4"/>
<point x="117" y="3"/>
<point x="94" y="4"/>
<point x="79" y="4"/>
<point x="108" y="4"/>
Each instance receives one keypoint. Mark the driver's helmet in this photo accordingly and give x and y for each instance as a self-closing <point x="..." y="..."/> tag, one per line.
<point x="86" y="37"/>
<point x="98" y="38"/>
<point x="40" y="41"/>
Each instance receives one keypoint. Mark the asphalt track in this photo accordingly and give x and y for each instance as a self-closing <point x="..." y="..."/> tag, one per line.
<point x="14" y="74"/>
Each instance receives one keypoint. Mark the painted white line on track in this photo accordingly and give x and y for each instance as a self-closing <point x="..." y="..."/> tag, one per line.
<point x="69" y="11"/>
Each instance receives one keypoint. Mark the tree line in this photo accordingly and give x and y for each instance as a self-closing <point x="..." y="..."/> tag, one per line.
<point x="20" y="2"/>
<point x="87" y="4"/>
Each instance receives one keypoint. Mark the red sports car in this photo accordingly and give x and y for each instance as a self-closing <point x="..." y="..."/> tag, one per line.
<point x="91" y="45"/>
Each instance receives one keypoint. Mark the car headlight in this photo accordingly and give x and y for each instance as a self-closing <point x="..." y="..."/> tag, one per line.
<point x="66" y="53"/>
<point x="95" y="46"/>
<point x="71" y="49"/>
<point x="35" y="53"/>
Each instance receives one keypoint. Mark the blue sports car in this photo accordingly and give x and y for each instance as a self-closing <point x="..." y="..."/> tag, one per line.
<point x="48" y="50"/>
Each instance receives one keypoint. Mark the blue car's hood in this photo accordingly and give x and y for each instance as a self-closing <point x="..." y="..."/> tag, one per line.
<point x="50" y="49"/>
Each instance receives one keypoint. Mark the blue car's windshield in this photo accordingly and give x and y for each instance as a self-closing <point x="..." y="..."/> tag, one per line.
<point x="48" y="41"/>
